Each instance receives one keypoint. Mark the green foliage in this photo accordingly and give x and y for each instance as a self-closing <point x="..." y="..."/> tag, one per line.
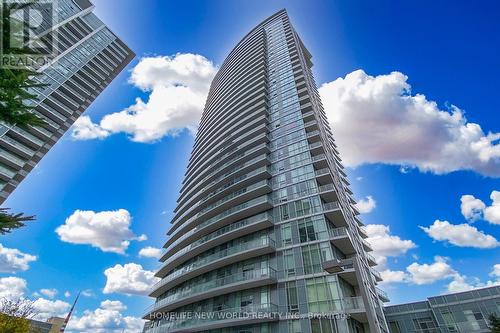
<point x="494" y="324"/>
<point x="13" y="97"/>
<point x="14" y="82"/>
<point x="10" y="324"/>
<point x="15" y="315"/>
<point x="10" y="221"/>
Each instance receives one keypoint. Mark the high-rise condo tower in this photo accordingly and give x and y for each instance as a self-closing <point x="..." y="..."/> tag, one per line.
<point x="265" y="233"/>
<point x="88" y="56"/>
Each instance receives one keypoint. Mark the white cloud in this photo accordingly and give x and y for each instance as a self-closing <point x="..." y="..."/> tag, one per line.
<point x="459" y="284"/>
<point x="113" y="305"/>
<point x="430" y="273"/>
<point x="88" y="293"/>
<point x="386" y="245"/>
<point x="105" y="319"/>
<point x="67" y="294"/>
<point x="150" y="252"/>
<point x="364" y="206"/>
<point x="496" y="271"/>
<point x="463" y="235"/>
<point x="85" y="129"/>
<point x="12" y="287"/>
<point x="464" y="283"/>
<point x="107" y="230"/>
<point x="389" y="276"/>
<point x="50" y="293"/>
<point x="50" y="308"/>
<point x="13" y="260"/>
<point x="129" y="279"/>
<point x="492" y="213"/>
<point x="177" y="86"/>
<point x="472" y="208"/>
<point x="378" y="120"/>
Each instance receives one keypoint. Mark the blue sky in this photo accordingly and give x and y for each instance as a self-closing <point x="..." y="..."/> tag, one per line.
<point x="449" y="53"/>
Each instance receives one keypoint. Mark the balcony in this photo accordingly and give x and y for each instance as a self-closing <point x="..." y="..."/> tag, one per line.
<point x="311" y="125"/>
<point x="219" y="237"/>
<point x="316" y="148"/>
<point x="366" y="246"/>
<point x="328" y="193"/>
<point x="228" y="284"/>
<point x="376" y="275"/>
<point x="214" y="180"/>
<point x="243" y="251"/>
<point x="313" y="136"/>
<point x="356" y="308"/>
<point x="371" y="260"/>
<point x="229" y="186"/>
<point x="343" y="268"/>
<point x="362" y="232"/>
<point x="382" y="295"/>
<point x="334" y="213"/>
<point x="319" y="161"/>
<point x="341" y="239"/>
<point x="324" y="176"/>
<point x="233" y="199"/>
<point x="251" y="314"/>
<point x="308" y="116"/>
<point x="198" y="235"/>
<point x="231" y="215"/>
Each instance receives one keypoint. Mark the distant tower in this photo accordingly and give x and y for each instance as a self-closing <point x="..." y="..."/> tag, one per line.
<point x="265" y="221"/>
<point x="68" y="317"/>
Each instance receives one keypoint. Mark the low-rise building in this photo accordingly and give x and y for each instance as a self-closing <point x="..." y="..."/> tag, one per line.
<point x="463" y="312"/>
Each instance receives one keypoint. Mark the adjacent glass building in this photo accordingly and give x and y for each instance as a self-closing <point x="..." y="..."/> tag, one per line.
<point x="265" y="234"/>
<point x="88" y="56"/>
<point x="465" y="312"/>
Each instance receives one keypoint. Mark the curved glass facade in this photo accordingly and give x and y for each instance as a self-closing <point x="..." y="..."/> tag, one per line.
<point x="265" y="236"/>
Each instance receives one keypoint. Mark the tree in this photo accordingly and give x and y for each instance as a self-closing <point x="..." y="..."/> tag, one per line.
<point x="494" y="323"/>
<point x="15" y="315"/>
<point x="13" y="97"/>
<point x="9" y="221"/>
<point x="16" y="82"/>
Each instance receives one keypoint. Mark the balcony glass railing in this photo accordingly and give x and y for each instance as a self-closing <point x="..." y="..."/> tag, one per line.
<point x="241" y="277"/>
<point x="338" y="232"/>
<point x="377" y="274"/>
<point x="253" y="244"/>
<point x="331" y="205"/>
<point x="220" y="232"/>
<point x="7" y="172"/>
<point x="313" y="133"/>
<point x="238" y="314"/>
<point x="319" y="157"/>
<point x="370" y="257"/>
<point x="8" y="156"/>
<point x="231" y="211"/>
<point x="255" y="218"/>
<point x="232" y="196"/>
<point x="346" y="304"/>
<point x="381" y="293"/>
<point x="227" y="185"/>
<point x="322" y="172"/>
<point x="315" y="145"/>
<point x="19" y="146"/>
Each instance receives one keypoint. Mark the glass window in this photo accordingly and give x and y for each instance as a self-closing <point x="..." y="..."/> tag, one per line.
<point x="286" y="234"/>
<point x="292" y="298"/>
